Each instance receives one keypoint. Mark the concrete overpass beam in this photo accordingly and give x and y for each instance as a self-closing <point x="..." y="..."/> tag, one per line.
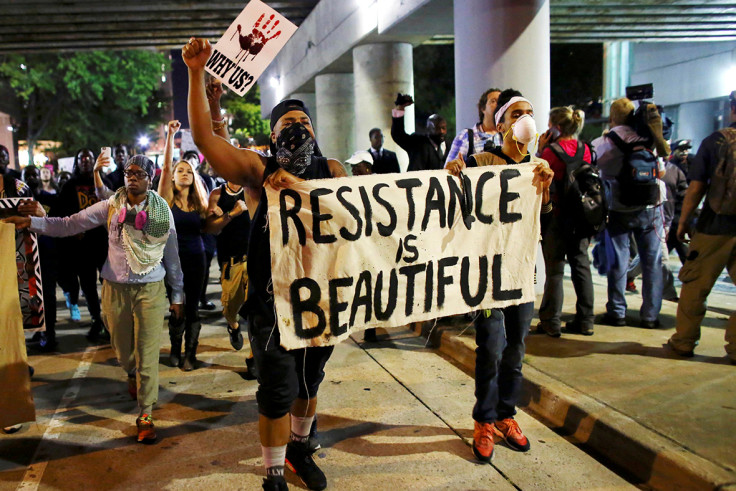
<point x="616" y="71"/>
<point x="381" y="70"/>
<point x="501" y="43"/>
<point x="335" y="114"/>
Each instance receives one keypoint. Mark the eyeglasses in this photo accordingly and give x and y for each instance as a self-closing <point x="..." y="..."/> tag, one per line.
<point x="138" y="174"/>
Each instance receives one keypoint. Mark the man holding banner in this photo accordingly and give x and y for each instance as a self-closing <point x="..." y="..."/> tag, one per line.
<point x="288" y="381"/>
<point x="500" y="332"/>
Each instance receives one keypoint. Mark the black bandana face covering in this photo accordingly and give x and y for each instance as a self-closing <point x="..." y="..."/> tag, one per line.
<point x="295" y="148"/>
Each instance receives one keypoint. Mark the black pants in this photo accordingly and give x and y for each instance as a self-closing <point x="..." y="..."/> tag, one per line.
<point x="283" y="375"/>
<point x="193" y="268"/>
<point x="77" y="269"/>
<point x="557" y="245"/>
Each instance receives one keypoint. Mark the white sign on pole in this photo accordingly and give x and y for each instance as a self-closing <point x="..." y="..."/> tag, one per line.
<point x="385" y="250"/>
<point x="187" y="141"/>
<point x="248" y="46"/>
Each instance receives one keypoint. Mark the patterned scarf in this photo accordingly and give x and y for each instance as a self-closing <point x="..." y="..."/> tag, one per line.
<point x="295" y="148"/>
<point x="143" y="248"/>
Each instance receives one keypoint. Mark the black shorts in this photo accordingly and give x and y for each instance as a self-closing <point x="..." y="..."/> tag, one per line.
<point x="283" y="375"/>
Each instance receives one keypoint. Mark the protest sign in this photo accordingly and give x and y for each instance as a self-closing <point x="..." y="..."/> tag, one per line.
<point x="27" y="260"/>
<point x="187" y="142"/>
<point x="386" y="250"/>
<point x="248" y="46"/>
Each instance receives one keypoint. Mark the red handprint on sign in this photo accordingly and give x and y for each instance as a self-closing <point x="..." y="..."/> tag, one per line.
<point x="254" y="42"/>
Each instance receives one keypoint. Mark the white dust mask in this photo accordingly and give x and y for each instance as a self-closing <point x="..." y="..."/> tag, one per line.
<point x="524" y="129"/>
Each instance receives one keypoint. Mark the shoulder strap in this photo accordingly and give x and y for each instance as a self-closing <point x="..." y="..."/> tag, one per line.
<point x="568" y="159"/>
<point x="471" y="143"/>
<point x="618" y="141"/>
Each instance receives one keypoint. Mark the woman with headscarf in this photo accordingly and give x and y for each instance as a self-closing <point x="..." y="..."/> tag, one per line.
<point x="81" y="256"/>
<point x="183" y="190"/>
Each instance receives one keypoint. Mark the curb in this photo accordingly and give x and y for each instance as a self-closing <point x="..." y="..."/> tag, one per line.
<point x="651" y="458"/>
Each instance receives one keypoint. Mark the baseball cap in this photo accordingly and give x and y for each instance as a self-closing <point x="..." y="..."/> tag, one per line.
<point x="360" y="156"/>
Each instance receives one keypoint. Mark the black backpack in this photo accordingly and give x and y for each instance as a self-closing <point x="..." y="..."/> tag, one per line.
<point x="581" y="194"/>
<point x="638" y="175"/>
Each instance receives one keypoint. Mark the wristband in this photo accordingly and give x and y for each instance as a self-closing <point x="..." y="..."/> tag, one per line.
<point x="218" y="125"/>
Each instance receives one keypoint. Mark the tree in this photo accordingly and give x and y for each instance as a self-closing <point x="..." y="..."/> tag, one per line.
<point x="246" y="112"/>
<point x="86" y="99"/>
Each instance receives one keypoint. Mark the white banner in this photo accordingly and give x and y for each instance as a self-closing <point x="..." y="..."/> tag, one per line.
<point x="248" y="46"/>
<point x="386" y="250"/>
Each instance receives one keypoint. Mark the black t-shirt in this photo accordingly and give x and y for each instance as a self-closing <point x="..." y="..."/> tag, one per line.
<point x="702" y="169"/>
<point x="232" y="242"/>
<point x="260" y="289"/>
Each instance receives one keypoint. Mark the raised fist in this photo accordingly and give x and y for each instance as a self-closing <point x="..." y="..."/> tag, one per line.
<point x="196" y="53"/>
<point x="174" y="126"/>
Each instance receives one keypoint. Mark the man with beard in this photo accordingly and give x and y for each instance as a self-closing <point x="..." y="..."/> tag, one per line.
<point x="143" y="250"/>
<point x="288" y="381"/>
<point x="426" y="152"/>
<point x="82" y="255"/>
<point x="10" y="184"/>
<point x="47" y="254"/>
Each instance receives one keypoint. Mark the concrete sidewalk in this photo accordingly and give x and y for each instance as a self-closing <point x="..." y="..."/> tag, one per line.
<point x="665" y="420"/>
<point x="392" y="415"/>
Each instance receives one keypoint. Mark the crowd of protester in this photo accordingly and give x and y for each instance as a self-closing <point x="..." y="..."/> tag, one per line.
<point x="108" y="226"/>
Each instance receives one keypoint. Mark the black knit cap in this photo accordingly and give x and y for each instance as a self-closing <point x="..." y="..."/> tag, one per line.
<point x="143" y="162"/>
<point x="284" y="107"/>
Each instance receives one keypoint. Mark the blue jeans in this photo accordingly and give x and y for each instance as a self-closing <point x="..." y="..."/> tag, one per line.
<point x="499" y="355"/>
<point x="647" y="228"/>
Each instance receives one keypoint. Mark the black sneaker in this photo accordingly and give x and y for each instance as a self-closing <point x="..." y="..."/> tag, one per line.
<point x="575" y="327"/>
<point x="97" y="332"/>
<point x="207" y="305"/>
<point x="276" y="483"/>
<point x="650" y="324"/>
<point x="313" y="443"/>
<point x="548" y="329"/>
<point x="236" y="338"/>
<point x="610" y="320"/>
<point x="300" y="461"/>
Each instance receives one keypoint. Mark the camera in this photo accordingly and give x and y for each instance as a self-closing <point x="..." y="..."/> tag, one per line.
<point x="402" y="99"/>
<point x="640" y="92"/>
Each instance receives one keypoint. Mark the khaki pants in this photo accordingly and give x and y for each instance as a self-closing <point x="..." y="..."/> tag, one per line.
<point x="134" y="314"/>
<point x="234" y="281"/>
<point x="698" y="275"/>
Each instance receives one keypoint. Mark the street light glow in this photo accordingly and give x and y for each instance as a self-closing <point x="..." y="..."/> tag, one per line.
<point x="143" y="141"/>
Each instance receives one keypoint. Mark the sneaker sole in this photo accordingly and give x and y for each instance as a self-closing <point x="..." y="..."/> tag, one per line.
<point x="514" y="446"/>
<point x="481" y="458"/>
<point x="292" y="469"/>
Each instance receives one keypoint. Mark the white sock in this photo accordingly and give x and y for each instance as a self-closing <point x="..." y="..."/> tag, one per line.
<point x="300" y="428"/>
<point x="273" y="460"/>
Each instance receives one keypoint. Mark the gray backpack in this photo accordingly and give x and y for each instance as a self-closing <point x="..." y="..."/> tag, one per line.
<point x="722" y="189"/>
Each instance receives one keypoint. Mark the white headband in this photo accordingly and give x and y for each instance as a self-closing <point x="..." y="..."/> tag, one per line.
<point x="513" y="100"/>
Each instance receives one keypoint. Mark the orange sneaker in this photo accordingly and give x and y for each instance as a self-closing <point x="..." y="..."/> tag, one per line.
<point x="508" y="430"/>
<point x="146" y="431"/>
<point x="483" y="442"/>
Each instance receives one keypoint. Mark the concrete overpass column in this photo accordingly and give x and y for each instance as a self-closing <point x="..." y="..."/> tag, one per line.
<point x="381" y="70"/>
<point x="616" y="71"/>
<point x="310" y="99"/>
<point x="335" y="114"/>
<point x="505" y="44"/>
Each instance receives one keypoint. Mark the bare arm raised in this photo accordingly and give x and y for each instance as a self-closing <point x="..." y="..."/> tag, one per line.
<point x="241" y="166"/>
<point x="165" y="184"/>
